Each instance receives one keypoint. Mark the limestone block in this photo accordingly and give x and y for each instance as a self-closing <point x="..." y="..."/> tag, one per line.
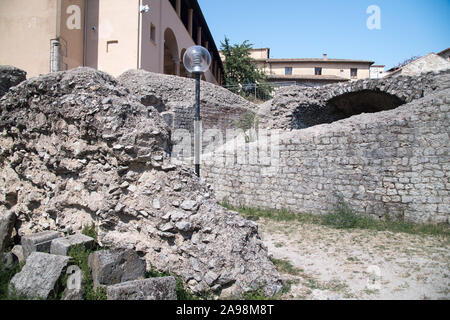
<point x="39" y="242"/>
<point x="17" y="250"/>
<point x="61" y="246"/>
<point x="147" y="289"/>
<point x="39" y="275"/>
<point x="115" y="266"/>
<point x="75" y="288"/>
<point x="9" y="260"/>
<point x="7" y="220"/>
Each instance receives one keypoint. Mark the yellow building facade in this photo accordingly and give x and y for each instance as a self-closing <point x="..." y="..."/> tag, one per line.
<point x="42" y="36"/>
<point x="313" y="71"/>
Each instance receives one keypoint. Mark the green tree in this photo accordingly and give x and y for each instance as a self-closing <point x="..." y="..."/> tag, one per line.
<point x="241" y="72"/>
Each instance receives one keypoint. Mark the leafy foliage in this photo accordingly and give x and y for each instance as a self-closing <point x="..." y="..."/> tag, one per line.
<point x="241" y="70"/>
<point x="6" y="275"/>
<point x="257" y="294"/>
<point x="343" y="217"/>
<point x="247" y="122"/>
<point x="90" y="231"/>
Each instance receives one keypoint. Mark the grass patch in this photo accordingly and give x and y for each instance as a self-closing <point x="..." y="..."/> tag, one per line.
<point x="79" y="256"/>
<point x="284" y="266"/>
<point x="90" y="231"/>
<point x="5" y="277"/>
<point x="277" y="215"/>
<point x="343" y="217"/>
<point x="181" y="291"/>
<point x="257" y="294"/>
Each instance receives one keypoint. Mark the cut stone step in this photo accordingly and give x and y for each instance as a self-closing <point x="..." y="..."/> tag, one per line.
<point x="39" y="242"/>
<point x="115" y="266"/>
<point x="61" y="246"/>
<point x="147" y="289"/>
<point x="39" y="276"/>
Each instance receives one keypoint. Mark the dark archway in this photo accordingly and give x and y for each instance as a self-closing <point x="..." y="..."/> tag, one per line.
<point x="343" y="106"/>
<point x="366" y="101"/>
<point x="171" y="59"/>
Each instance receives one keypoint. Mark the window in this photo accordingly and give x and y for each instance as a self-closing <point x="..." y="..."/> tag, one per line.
<point x="354" y="73"/>
<point x="109" y="45"/>
<point x="288" y="71"/>
<point x="318" y="71"/>
<point x="152" y="33"/>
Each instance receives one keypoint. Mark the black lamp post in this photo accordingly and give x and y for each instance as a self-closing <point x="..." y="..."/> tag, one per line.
<point x="197" y="60"/>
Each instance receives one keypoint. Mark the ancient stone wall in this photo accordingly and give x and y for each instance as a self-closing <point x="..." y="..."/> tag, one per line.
<point x="298" y="107"/>
<point x="392" y="162"/>
<point x="174" y="98"/>
<point x="76" y="148"/>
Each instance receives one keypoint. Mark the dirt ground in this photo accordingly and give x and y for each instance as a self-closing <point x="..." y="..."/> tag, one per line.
<point x="358" y="264"/>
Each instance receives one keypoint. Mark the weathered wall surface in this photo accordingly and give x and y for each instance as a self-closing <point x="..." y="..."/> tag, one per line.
<point x="174" y="98"/>
<point x="76" y="147"/>
<point x="392" y="162"/>
<point x="430" y="62"/>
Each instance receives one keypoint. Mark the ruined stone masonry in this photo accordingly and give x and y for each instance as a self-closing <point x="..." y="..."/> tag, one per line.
<point x="392" y="162"/>
<point x="302" y="107"/>
<point x="78" y="147"/>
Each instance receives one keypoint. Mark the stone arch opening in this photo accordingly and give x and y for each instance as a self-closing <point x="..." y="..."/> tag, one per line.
<point x="365" y="101"/>
<point x="171" y="59"/>
<point x="343" y="106"/>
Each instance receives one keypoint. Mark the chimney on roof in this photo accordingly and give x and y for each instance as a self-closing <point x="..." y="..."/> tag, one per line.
<point x="325" y="57"/>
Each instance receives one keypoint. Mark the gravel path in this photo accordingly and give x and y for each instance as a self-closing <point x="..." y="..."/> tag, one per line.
<point x="359" y="264"/>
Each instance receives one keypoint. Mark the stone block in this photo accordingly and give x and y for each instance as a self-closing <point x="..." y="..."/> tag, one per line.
<point x="61" y="246"/>
<point x="110" y="267"/>
<point x="17" y="250"/>
<point x="147" y="289"/>
<point x="39" y="276"/>
<point x="75" y="289"/>
<point x="9" y="260"/>
<point x="7" y="221"/>
<point x="189" y="205"/>
<point x="39" y="242"/>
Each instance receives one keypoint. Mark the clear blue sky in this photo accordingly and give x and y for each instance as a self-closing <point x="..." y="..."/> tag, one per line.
<point x="307" y="29"/>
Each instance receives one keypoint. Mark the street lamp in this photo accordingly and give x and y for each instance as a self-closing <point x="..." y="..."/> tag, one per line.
<point x="197" y="60"/>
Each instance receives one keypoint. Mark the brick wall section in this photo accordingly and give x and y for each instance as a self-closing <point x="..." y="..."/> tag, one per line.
<point x="393" y="162"/>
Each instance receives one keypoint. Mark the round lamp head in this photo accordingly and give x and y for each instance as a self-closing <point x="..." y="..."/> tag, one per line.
<point x="197" y="59"/>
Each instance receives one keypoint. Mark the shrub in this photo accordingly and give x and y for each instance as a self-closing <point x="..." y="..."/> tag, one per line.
<point x="343" y="217"/>
<point x="5" y="277"/>
<point x="90" y="231"/>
